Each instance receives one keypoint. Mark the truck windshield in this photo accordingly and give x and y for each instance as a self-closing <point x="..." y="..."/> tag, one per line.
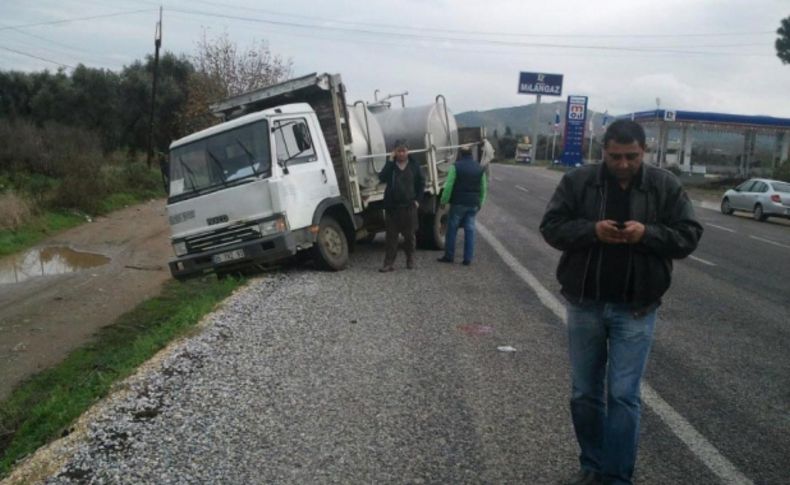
<point x="220" y="160"/>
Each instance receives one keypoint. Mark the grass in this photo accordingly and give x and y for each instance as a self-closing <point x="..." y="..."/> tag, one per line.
<point x="50" y="222"/>
<point x="125" y="199"/>
<point x="43" y="407"/>
<point x="38" y="228"/>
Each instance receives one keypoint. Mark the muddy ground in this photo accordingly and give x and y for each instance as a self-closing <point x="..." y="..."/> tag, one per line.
<point x="43" y="318"/>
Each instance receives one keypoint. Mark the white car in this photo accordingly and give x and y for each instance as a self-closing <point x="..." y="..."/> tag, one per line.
<point x="761" y="197"/>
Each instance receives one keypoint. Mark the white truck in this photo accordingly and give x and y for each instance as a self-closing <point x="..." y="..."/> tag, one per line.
<point x="295" y="168"/>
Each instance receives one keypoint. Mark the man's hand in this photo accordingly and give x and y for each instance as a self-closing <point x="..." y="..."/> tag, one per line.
<point x="634" y="232"/>
<point x="416" y="204"/>
<point x="607" y="231"/>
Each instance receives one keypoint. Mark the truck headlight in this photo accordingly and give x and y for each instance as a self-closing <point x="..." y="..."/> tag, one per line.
<point x="180" y="248"/>
<point x="273" y="226"/>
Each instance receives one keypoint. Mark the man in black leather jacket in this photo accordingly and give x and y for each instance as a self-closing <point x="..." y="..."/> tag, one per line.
<point x="619" y="225"/>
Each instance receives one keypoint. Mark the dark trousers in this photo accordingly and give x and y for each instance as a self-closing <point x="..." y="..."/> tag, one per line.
<point x="400" y="220"/>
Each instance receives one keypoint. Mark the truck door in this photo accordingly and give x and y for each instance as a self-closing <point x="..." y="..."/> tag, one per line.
<point x="305" y="176"/>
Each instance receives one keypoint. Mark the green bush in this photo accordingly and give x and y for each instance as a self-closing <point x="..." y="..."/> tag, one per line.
<point x="63" y="167"/>
<point x="83" y="188"/>
<point x="137" y="177"/>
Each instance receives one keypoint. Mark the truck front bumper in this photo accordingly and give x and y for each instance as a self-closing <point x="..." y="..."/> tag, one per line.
<point x="234" y="256"/>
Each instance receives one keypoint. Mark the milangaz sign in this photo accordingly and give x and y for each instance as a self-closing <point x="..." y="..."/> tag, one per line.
<point x="539" y="83"/>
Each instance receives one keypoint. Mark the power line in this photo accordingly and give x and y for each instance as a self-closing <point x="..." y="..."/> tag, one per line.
<point x="400" y="28"/>
<point x="279" y="31"/>
<point x="63" y="21"/>
<point x="74" y="52"/>
<point x="69" y="47"/>
<point x="37" y="57"/>
<point x="403" y="35"/>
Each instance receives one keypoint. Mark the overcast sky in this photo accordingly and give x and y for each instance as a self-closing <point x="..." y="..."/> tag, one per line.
<point x="702" y="55"/>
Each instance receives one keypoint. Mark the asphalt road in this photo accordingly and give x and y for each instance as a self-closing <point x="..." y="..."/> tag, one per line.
<point x="362" y="377"/>
<point x="721" y="354"/>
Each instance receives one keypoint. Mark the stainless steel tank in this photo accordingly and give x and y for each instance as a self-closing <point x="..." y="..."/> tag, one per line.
<point x="367" y="139"/>
<point x="413" y="123"/>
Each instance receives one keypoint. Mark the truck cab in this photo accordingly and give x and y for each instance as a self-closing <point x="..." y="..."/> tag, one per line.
<point x="247" y="191"/>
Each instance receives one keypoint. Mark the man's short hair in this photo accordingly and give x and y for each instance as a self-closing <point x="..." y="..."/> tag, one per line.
<point x="401" y="144"/>
<point x="625" y="132"/>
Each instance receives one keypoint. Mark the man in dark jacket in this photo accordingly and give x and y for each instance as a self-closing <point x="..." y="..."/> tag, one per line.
<point x="402" y="196"/>
<point x="465" y="189"/>
<point x="619" y="225"/>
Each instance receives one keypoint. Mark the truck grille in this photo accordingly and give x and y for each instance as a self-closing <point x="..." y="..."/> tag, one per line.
<point x="222" y="237"/>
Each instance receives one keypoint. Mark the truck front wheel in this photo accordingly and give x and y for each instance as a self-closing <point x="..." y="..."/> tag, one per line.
<point x="433" y="228"/>
<point x="331" y="246"/>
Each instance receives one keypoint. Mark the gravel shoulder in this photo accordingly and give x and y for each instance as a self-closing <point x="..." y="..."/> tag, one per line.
<point x="350" y="377"/>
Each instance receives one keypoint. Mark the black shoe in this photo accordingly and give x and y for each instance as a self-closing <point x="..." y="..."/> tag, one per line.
<point x="444" y="259"/>
<point x="466" y="263"/>
<point x="584" y="477"/>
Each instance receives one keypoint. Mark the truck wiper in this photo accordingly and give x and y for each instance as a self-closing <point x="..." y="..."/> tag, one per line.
<point x="251" y="158"/>
<point x="188" y="171"/>
<point x="219" y="166"/>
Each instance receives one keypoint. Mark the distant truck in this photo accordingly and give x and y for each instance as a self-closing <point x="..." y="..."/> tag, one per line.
<point x="295" y="168"/>
<point x="524" y="151"/>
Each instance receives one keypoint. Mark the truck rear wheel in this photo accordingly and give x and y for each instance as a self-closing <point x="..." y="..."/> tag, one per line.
<point x="433" y="228"/>
<point x="331" y="246"/>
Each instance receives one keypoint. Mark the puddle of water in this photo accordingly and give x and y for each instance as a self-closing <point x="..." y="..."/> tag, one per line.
<point x="47" y="261"/>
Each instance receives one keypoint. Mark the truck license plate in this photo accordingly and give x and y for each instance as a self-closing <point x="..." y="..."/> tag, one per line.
<point x="228" y="256"/>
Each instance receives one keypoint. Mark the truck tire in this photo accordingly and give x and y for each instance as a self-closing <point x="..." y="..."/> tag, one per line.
<point x="433" y="228"/>
<point x="330" y="251"/>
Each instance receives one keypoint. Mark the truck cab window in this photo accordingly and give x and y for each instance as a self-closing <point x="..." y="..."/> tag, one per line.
<point x="293" y="142"/>
<point x="221" y="160"/>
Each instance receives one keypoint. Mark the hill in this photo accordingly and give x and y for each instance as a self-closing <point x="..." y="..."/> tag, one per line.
<point x="519" y="118"/>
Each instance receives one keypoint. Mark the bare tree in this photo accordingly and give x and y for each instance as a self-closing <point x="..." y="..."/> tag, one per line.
<point x="223" y="70"/>
<point x="237" y="71"/>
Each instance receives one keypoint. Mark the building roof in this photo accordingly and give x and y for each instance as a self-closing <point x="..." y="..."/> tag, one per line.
<point x="719" y="121"/>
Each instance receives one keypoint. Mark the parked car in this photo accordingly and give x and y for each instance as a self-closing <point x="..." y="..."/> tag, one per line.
<point x="761" y="197"/>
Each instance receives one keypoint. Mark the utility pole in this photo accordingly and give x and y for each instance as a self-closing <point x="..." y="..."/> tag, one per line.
<point x="554" y="136"/>
<point x="535" y="128"/>
<point x="157" y="44"/>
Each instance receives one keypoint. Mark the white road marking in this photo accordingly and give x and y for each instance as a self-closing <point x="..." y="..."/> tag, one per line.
<point x="721" y="227"/>
<point x="523" y="189"/>
<point x="770" y="242"/>
<point x="498" y="179"/>
<point x="708" y="205"/>
<point x="697" y="444"/>
<point x="703" y="261"/>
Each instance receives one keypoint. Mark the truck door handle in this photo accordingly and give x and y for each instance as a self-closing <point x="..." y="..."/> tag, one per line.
<point x="323" y="172"/>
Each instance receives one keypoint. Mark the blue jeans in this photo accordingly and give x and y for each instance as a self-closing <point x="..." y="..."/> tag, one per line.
<point x="463" y="216"/>
<point x="608" y="429"/>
